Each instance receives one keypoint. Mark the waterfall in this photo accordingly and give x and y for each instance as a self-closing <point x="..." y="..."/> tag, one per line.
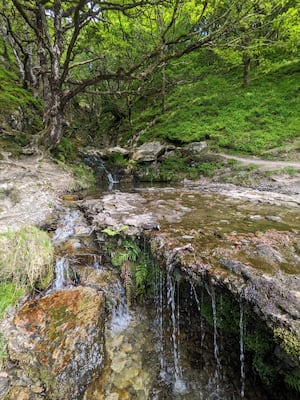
<point x="199" y="302"/>
<point x="66" y="226"/>
<point x="120" y="315"/>
<point x="242" y="354"/>
<point x="62" y="277"/>
<point x="179" y="386"/>
<point x="95" y="161"/>
<point x="216" y="381"/>
<point x="159" y="324"/>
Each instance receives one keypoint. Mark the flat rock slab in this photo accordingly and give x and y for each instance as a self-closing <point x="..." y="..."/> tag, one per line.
<point x="244" y="241"/>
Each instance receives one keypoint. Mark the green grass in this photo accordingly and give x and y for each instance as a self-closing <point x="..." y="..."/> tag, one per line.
<point x="9" y="295"/>
<point x="218" y="108"/>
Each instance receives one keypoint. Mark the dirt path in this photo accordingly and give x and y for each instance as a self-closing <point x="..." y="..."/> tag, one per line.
<point x="264" y="164"/>
<point x="29" y="190"/>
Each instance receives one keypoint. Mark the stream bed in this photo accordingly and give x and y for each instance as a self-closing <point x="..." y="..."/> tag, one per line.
<point x="164" y="294"/>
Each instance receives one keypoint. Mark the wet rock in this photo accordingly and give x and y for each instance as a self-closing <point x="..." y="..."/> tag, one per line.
<point x="4" y="383"/>
<point x="148" y="152"/>
<point x="58" y="342"/>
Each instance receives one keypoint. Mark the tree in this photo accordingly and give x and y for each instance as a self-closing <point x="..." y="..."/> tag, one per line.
<point x="254" y="36"/>
<point x="80" y="43"/>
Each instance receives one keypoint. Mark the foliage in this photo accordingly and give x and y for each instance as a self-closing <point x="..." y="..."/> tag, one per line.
<point x="83" y="175"/>
<point x="64" y="150"/>
<point x="218" y="109"/>
<point x="292" y="379"/>
<point x="27" y="260"/>
<point x="135" y="267"/>
<point x="174" y="168"/>
<point x="9" y="295"/>
<point x="112" y="232"/>
<point x="125" y="48"/>
<point x="288" y="341"/>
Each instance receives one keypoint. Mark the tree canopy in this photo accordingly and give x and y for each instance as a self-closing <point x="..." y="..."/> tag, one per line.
<point x="64" y="48"/>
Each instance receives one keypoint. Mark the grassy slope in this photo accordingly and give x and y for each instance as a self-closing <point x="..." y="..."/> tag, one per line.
<point x="217" y="108"/>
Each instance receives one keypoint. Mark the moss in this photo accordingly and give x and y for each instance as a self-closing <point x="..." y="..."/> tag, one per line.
<point x="288" y="342"/>
<point x="83" y="175"/>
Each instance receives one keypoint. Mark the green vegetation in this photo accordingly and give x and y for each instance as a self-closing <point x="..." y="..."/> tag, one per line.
<point x="26" y="264"/>
<point x="84" y="176"/>
<point x="134" y="263"/>
<point x="27" y="258"/>
<point x="289" y="342"/>
<point x="219" y="109"/>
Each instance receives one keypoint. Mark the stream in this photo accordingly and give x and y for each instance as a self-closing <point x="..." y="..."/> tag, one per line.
<point x="161" y="348"/>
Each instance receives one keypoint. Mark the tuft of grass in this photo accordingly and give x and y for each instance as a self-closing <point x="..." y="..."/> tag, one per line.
<point x="26" y="259"/>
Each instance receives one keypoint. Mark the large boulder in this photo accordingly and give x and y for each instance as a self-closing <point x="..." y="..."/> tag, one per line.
<point x="57" y="342"/>
<point x="148" y="152"/>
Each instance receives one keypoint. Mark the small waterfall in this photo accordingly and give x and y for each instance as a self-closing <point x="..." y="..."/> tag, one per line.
<point x="66" y="226"/>
<point x="95" y="161"/>
<point x="62" y="277"/>
<point x="179" y="386"/>
<point x="216" y="381"/>
<point x="120" y="315"/>
<point x="242" y="354"/>
<point x="159" y="322"/>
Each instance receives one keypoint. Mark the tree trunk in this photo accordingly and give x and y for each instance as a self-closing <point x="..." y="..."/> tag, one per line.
<point x="54" y="124"/>
<point x="163" y="90"/>
<point x="246" y="74"/>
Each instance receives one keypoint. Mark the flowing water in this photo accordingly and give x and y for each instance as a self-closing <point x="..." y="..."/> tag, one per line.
<point x="164" y="349"/>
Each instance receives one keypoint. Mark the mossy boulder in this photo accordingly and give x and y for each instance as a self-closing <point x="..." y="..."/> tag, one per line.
<point x="58" y="342"/>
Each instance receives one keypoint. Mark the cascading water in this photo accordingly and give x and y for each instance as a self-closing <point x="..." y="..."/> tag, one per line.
<point x="62" y="277"/>
<point x="184" y="363"/>
<point x="66" y="226"/>
<point x="120" y="315"/>
<point x="242" y="353"/>
<point x="97" y="163"/>
<point x="179" y="386"/>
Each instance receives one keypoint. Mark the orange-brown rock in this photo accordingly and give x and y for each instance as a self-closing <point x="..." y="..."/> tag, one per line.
<point x="58" y="341"/>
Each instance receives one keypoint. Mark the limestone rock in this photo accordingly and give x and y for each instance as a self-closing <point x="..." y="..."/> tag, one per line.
<point x="148" y="152"/>
<point x="196" y="147"/>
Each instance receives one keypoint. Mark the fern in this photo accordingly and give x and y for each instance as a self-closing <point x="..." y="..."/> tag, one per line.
<point x="119" y="258"/>
<point x="126" y="275"/>
<point x="293" y="380"/>
<point x="141" y="277"/>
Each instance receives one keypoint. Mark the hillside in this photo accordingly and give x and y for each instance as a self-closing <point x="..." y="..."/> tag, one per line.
<point x="216" y="107"/>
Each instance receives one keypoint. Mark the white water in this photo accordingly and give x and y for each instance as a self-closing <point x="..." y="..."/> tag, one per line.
<point x="216" y="378"/>
<point x="62" y="277"/>
<point x="66" y="226"/>
<point x="160" y="324"/>
<point x="120" y="315"/>
<point x="179" y="386"/>
<point x="242" y="354"/>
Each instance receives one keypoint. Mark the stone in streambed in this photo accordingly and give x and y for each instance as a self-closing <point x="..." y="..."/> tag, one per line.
<point x="59" y="341"/>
